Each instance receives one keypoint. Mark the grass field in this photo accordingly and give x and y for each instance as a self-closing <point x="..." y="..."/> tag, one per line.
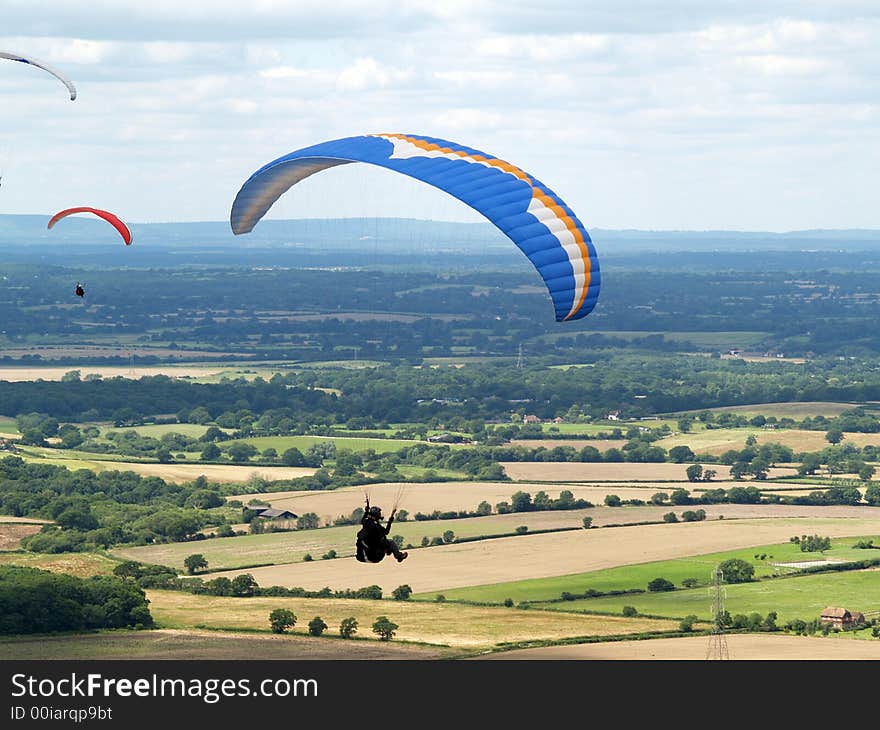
<point x="282" y="443"/>
<point x="553" y="471"/>
<point x="628" y="577"/>
<point x="801" y="597"/>
<point x="708" y="340"/>
<point x="196" y="644"/>
<point x="717" y="441"/>
<point x="79" y="564"/>
<point x="507" y="559"/>
<point x="740" y="647"/>
<point x="8" y="427"/>
<point x="600" y="444"/>
<point x="194" y="430"/>
<point x="432" y="623"/>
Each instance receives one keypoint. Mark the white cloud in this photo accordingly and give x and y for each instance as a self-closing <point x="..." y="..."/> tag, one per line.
<point x="638" y="116"/>
<point x="367" y="73"/>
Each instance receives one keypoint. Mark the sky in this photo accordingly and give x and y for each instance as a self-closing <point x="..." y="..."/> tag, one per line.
<point x="745" y="115"/>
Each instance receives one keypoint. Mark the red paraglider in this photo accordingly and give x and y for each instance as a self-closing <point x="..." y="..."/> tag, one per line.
<point x="109" y="217"/>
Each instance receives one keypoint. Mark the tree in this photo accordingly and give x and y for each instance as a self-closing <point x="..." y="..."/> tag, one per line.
<point x="317" y="626"/>
<point x="687" y="623"/>
<point x="834" y="436"/>
<point x="308" y="521"/>
<point x="694" y="472"/>
<point x="866" y="472"/>
<point x="679" y="454"/>
<point x="659" y="498"/>
<point x="680" y="496"/>
<point x="739" y="469"/>
<point x="612" y="500"/>
<point x="402" y="593"/>
<point x="629" y="611"/>
<point x="736" y="570"/>
<point x="348" y="627"/>
<point x="244" y="585"/>
<point x="293" y="457"/>
<point x="211" y="452"/>
<point x="384" y="628"/>
<point x="521" y="502"/>
<point x="194" y="563"/>
<point x="659" y="585"/>
<point x="448" y="536"/>
<point x="587" y="522"/>
<point x="670" y="517"/>
<point x="281" y="619"/>
<point x="241" y="451"/>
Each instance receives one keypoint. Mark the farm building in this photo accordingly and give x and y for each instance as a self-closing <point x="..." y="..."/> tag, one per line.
<point x="531" y="418"/>
<point x="270" y="513"/>
<point x="841" y="618"/>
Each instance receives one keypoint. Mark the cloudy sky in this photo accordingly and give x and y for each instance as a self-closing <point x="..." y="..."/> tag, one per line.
<point x="746" y="114"/>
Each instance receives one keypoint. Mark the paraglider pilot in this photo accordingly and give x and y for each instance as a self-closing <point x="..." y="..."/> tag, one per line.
<point x="79" y="290"/>
<point x="372" y="539"/>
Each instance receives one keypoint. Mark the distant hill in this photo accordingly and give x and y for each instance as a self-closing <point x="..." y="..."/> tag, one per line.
<point x="84" y="241"/>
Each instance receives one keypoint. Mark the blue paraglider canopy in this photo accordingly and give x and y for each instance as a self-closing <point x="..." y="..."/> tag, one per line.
<point x="536" y="219"/>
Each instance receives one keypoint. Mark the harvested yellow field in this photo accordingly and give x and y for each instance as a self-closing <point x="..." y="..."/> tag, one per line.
<point x="717" y="441"/>
<point x="11" y="534"/>
<point x="56" y="373"/>
<point x="82" y="565"/>
<point x="551" y="554"/>
<point x="443" y="496"/>
<point x="785" y="410"/>
<point x="601" y="444"/>
<point x="9" y="519"/>
<point x="740" y="646"/>
<point x="216" y="645"/>
<point x="568" y="471"/>
<point x="188" y="472"/>
<point x="431" y="623"/>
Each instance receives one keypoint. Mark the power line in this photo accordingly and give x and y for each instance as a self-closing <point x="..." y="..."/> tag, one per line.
<point x="717" y="648"/>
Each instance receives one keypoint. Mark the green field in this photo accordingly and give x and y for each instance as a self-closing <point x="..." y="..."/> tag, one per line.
<point x="638" y="576"/>
<point x="7" y="425"/>
<point x="591" y="429"/>
<point x="801" y="597"/>
<point x="194" y="430"/>
<point x="708" y="340"/>
<point x="282" y="443"/>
